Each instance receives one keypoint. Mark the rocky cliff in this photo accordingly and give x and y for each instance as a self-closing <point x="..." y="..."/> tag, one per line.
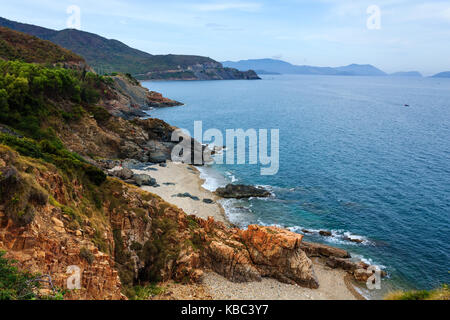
<point x="120" y="235"/>
<point x="132" y="99"/>
<point x="59" y="209"/>
<point x="200" y="71"/>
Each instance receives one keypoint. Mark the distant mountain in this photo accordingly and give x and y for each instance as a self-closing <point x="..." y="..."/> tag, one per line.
<point x="265" y="65"/>
<point x="282" y="67"/>
<point x="107" y="56"/>
<point x="361" y="70"/>
<point x="445" y="74"/>
<point x="407" y="74"/>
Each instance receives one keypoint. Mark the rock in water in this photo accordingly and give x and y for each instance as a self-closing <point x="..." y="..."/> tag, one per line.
<point x="242" y="192"/>
<point x="325" y="233"/>
<point x="322" y="250"/>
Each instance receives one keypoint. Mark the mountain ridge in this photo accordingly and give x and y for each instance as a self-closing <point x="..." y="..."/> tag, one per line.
<point x="273" y="66"/>
<point x="109" y="55"/>
<point x="269" y="66"/>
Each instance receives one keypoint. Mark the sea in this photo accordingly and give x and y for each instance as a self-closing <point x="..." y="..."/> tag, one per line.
<point x="366" y="158"/>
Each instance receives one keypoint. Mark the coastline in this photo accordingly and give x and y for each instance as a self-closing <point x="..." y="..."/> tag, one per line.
<point x="182" y="185"/>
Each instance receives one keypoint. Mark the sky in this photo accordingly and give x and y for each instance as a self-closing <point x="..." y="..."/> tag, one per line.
<point x="394" y="35"/>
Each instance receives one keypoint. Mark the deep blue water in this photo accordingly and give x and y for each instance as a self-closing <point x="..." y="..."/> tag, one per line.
<point x="353" y="159"/>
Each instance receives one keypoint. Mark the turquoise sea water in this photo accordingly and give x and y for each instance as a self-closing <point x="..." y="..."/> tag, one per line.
<point x="353" y="159"/>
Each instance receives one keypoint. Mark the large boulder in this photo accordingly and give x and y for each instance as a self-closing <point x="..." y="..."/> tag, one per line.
<point x="124" y="174"/>
<point x="242" y="191"/>
<point x="144" y="180"/>
<point x="248" y="255"/>
<point x="158" y="157"/>
<point x="276" y="253"/>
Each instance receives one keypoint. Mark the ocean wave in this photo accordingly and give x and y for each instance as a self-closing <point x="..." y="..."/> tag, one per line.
<point x="369" y="261"/>
<point x="212" y="178"/>
<point x="238" y="212"/>
<point x="231" y="176"/>
<point x="337" y="236"/>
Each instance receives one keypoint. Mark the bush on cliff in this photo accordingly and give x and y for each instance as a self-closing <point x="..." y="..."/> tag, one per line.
<point x="13" y="283"/>
<point x="437" y="294"/>
<point x="31" y="93"/>
<point x="53" y="151"/>
<point x="21" y="285"/>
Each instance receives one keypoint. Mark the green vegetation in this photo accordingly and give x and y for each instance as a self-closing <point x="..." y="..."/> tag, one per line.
<point x="13" y="283"/>
<point x="168" y="75"/>
<point x="87" y="255"/>
<point x="437" y="294"/>
<point x="143" y="292"/>
<point x="160" y="249"/>
<point x="18" y="46"/>
<point x="29" y="92"/>
<point x="32" y="95"/>
<point x="108" y="56"/>
<point x="18" y="285"/>
<point x="20" y="195"/>
<point x="54" y="152"/>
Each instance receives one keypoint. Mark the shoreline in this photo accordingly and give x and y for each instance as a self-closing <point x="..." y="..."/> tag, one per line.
<point x="181" y="179"/>
<point x="181" y="185"/>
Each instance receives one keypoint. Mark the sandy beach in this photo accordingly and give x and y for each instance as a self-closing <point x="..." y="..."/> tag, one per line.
<point x="178" y="179"/>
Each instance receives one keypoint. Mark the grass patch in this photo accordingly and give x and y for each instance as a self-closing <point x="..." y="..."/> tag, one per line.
<point x="144" y="292"/>
<point x="437" y="294"/>
<point x="20" y="285"/>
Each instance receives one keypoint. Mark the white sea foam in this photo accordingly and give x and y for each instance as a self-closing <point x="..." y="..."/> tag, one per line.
<point x="238" y="212"/>
<point x="337" y="236"/>
<point x="212" y="178"/>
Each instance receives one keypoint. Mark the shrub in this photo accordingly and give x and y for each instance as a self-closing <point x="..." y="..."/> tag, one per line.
<point x="95" y="175"/>
<point x="21" y="285"/>
<point x="87" y="255"/>
<point x="101" y="115"/>
<point x="13" y="283"/>
<point x="53" y="151"/>
<point x="437" y="294"/>
<point x="143" y="292"/>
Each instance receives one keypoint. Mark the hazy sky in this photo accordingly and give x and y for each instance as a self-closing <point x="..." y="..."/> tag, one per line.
<point x="414" y="34"/>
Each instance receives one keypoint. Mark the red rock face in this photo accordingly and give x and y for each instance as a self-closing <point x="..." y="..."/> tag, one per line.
<point x="46" y="247"/>
<point x="276" y="253"/>
<point x="141" y="237"/>
<point x="156" y="99"/>
<point x="249" y="255"/>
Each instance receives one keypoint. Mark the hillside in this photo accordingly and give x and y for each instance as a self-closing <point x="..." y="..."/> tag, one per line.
<point x="271" y="66"/>
<point x="108" y="56"/>
<point x="18" y="46"/>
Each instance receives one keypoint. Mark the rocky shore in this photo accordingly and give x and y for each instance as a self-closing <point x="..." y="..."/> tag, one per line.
<point x="99" y="193"/>
<point x="129" y="99"/>
<point x="181" y="185"/>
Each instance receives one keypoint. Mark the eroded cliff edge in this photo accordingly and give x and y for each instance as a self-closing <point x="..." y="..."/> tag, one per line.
<point x="120" y="235"/>
<point x="60" y="126"/>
